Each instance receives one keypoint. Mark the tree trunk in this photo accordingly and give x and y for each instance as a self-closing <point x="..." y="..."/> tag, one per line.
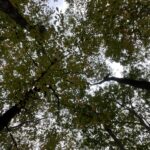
<point x="8" y="115"/>
<point x="7" y="7"/>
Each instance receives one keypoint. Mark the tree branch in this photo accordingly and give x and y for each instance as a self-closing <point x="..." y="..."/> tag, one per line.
<point x="132" y="111"/>
<point x="14" y="110"/>
<point x="98" y="83"/>
<point x="117" y="141"/>
<point x="55" y="94"/>
<point x="8" y="115"/>
<point x="142" y="84"/>
<point x="7" y="7"/>
<point x="139" y="118"/>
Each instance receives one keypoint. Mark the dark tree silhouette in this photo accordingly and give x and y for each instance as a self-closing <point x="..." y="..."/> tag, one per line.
<point x="7" y="7"/>
<point x="8" y="115"/>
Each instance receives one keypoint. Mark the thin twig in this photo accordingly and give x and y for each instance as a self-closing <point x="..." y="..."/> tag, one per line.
<point x="97" y="83"/>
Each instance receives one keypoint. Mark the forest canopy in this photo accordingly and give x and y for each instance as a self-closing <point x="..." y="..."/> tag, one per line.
<point x="58" y="89"/>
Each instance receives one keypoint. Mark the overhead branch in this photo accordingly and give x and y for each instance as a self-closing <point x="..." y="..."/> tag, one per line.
<point x="98" y="83"/>
<point x="8" y="115"/>
<point x="141" y="120"/>
<point x="117" y="141"/>
<point x="46" y="71"/>
<point x="141" y="84"/>
<point x="16" y="109"/>
<point x="56" y="95"/>
<point x="139" y="117"/>
<point x="7" y="7"/>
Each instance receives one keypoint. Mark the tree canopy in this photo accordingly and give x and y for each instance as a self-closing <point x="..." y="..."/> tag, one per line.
<point x="58" y="89"/>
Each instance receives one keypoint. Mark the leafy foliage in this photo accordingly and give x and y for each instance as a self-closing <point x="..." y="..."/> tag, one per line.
<point x="48" y="66"/>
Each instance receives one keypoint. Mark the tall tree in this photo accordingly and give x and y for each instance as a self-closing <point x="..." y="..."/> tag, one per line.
<point x="50" y="62"/>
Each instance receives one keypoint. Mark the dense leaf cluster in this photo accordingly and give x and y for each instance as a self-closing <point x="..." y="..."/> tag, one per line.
<point x="53" y="68"/>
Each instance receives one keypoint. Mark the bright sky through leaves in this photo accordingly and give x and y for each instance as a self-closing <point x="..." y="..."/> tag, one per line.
<point x="61" y="4"/>
<point x="77" y="79"/>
